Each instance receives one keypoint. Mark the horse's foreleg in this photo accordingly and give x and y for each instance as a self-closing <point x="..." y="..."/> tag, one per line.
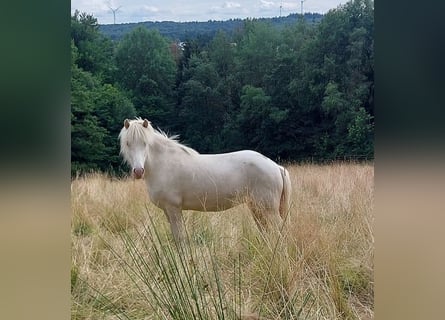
<point x="174" y="216"/>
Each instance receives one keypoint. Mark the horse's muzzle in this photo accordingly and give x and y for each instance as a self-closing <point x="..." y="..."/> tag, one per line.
<point x="138" y="173"/>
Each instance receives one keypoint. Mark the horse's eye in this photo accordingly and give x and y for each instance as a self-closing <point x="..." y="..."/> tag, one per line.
<point x="128" y="144"/>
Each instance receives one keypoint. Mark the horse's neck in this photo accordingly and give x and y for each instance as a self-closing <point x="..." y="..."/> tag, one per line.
<point x="161" y="151"/>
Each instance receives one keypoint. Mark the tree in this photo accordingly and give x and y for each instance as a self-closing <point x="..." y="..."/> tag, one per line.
<point x="222" y="54"/>
<point x="301" y="91"/>
<point x="258" y="120"/>
<point x="97" y="112"/>
<point x="285" y="84"/>
<point x="336" y="79"/>
<point x="87" y="137"/>
<point x="361" y="134"/>
<point x="146" y="69"/>
<point x="95" y="51"/>
<point x="256" y="52"/>
<point x="201" y="109"/>
<point x="111" y="108"/>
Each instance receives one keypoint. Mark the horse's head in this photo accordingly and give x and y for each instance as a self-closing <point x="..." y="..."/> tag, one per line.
<point x="133" y="139"/>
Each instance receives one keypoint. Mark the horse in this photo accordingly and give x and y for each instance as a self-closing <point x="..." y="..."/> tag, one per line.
<point x="179" y="178"/>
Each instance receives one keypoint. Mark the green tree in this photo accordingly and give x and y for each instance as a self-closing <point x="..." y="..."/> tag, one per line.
<point x="111" y="108"/>
<point x="208" y="93"/>
<point x="222" y="54"/>
<point x="95" y="51"/>
<point x="256" y="52"/>
<point x="146" y="69"/>
<point x="87" y="137"/>
<point x="335" y="79"/>
<point x="201" y="110"/>
<point x="338" y="112"/>
<point x="257" y="121"/>
<point x="97" y="112"/>
<point x="295" y="92"/>
<point x="361" y="134"/>
<point x="288" y="91"/>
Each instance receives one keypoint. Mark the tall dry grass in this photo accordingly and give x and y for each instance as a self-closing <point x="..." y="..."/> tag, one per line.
<point x="125" y="264"/>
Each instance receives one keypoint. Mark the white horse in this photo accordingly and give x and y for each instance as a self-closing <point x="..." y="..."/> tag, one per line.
<point x="179" y="178"/>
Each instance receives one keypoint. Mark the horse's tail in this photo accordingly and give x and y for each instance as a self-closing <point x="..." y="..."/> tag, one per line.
<point x="285" y="193"/>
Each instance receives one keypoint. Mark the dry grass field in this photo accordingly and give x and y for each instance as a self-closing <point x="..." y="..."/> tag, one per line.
<point x="125" y="264"/>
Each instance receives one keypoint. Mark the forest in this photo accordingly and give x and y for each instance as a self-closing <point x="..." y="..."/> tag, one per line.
<point x="191" y="29"/>
<point x="302" y="92"/>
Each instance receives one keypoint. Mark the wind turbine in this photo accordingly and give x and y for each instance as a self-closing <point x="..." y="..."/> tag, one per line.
<point x="281" y="6"/>
<point x="114" y="13"/>
<point x="302" y="7"/>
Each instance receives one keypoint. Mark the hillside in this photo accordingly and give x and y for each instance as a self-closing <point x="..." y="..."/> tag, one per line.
<point x="183" y="30"/>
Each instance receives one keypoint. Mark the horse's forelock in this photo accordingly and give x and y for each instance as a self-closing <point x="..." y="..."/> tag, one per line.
<point x="136" y="131"/>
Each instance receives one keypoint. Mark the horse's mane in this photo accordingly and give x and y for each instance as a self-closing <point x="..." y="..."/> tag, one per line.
<point x="152" y="135"/>
<point x="174" y="140"/>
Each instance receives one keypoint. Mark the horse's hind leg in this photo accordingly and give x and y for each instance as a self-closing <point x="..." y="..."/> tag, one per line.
<point x="265" y="218"/>
<point x="258" y="217"/>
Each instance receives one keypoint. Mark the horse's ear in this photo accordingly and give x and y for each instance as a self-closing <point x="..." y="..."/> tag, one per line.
<point x="146" y="123"/>
<point x="126" y="123"/>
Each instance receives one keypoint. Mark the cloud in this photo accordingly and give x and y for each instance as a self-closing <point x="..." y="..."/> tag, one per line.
<point x="150" y="9"/>
<point x="227" y="9"/>
<point x="230" y="5"/>
<point x="291" y="6"/>
<point x="266" y="4"/>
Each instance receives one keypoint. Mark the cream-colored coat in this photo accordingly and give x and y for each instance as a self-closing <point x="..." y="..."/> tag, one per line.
<point x="179" y="178"/>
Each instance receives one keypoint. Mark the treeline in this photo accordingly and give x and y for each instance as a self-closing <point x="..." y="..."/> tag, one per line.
<point x="302" y="92"/>
<point x="181" y="30"/>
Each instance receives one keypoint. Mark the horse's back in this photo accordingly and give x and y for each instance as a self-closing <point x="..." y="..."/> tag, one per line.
<point x="241" y="162"/>
<point x="245" y="168"/>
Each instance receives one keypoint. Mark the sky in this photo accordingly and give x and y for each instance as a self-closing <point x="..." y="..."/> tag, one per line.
<point x="196" y="10"/>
